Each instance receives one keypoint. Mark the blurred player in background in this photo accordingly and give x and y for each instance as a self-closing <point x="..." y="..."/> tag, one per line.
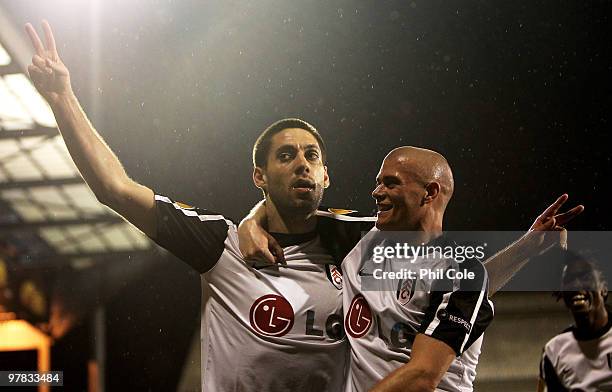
<point x="580" y="358"/>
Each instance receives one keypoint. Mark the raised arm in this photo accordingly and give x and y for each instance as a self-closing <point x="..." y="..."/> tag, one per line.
<point x="96" y="162"/>
<point x="547" y="230"/>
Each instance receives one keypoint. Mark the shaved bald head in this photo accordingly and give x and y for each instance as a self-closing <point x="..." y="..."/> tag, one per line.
<point x="426" y="166"/>
<point x="414" y="186"/>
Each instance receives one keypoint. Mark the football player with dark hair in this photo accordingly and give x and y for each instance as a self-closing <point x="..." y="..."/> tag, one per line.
<point x="263" y="328"/>
<point x="580" y="357"/>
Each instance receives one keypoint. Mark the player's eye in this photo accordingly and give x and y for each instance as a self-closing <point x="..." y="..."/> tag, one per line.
<point x="285" y="156"/>
<point x="312" y="155"/>
<point x="391" y="183"/>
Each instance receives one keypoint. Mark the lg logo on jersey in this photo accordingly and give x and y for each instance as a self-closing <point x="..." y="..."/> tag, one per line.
<point x="358" y="318"/>
<point x="272" y="315"/>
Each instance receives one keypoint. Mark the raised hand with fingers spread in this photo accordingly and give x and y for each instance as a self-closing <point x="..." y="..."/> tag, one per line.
<point x="549" y="220"/>
<point x="546" y="231"/>
<point x="98" y="165"/>
<point x="47" y="71"/>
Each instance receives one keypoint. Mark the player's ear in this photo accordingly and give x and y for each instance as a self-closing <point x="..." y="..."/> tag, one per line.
<point x="326" y="181"/>
<point x="433" y="190"/>
<point x="259" y="178"/>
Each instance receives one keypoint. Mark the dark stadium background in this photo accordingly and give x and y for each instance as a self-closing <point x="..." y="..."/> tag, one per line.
<point x="516" y="95"/>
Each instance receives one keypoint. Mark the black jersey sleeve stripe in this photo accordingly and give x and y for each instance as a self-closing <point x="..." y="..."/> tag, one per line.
<point x="459" y="317"/>
<point x="194" y="235"/>
<point x="548" y="374"/>
<point x="341" y="230"/>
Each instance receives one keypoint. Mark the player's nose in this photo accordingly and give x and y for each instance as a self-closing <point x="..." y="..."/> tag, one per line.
<point x="301" y="164"/>
<point x="378" y="193"/>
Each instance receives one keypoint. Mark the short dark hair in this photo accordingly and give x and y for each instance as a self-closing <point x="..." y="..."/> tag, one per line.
<point x="261" y="149"/>
<point x="572" y="259"/>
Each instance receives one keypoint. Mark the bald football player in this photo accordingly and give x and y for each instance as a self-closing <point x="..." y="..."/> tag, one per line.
<point x="442" y="326"/>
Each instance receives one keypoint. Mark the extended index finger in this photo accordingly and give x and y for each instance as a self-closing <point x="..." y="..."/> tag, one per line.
<point x="38" y="46"/>
<point x="49" y="39"/>
<point x="554" y="207"/>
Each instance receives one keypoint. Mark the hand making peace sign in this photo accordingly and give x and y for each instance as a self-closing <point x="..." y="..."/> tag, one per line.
<point x="549" y="220"/>
<point x="549" y="228"/>
<point x="47" y="71"/>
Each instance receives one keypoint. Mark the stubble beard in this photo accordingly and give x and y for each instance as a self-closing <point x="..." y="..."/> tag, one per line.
<point x="293" y="207"/>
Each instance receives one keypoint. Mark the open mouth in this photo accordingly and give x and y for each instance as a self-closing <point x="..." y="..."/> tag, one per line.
<point x="579" y="300"/>
<point x="303" y="185"/>
<point x="382" y="207"/>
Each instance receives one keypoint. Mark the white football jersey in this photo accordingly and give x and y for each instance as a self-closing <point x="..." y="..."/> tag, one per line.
<point x="266" y="327"/>
<point x="572" y="362"/>
<point x="381" y="322"/>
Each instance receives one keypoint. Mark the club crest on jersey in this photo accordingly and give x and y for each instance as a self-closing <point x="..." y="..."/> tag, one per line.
<point x="406" y="291"/>
<point x="271" y="315"/>
<point x="358" y="318"/>
<point x="340" y="211"/>
<point x="184" y="206"/>
<point x="334" y="275"/>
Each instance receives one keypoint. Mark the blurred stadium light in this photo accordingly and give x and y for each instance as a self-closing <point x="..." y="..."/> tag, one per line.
<point x="48" y="216"/>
